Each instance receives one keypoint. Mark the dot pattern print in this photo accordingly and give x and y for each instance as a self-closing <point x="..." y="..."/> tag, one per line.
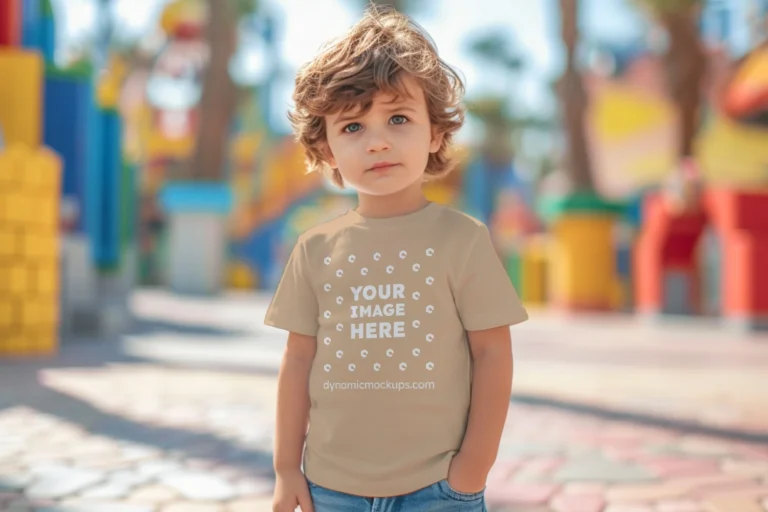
<point x="381" y="266"/>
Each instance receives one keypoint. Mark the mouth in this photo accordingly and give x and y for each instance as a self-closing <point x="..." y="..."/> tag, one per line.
<point x="381" y="166"/>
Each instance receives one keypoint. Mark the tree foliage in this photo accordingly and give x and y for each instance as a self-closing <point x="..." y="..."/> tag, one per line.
<point x="685" y="62"/>
<point x="246" y="7"/>
<point x="663" y="8"/>
<point x="496" y="47"/>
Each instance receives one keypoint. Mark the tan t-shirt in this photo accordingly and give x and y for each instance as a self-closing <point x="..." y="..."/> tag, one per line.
<point x="389" y="302"/>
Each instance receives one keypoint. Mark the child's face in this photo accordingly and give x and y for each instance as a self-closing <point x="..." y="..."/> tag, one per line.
<point x="397" y="135"/>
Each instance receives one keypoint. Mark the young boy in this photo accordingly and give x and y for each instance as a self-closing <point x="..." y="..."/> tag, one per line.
<point x="399" y="355"/>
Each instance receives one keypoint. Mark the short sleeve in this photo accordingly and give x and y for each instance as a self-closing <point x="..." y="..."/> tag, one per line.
<point x="485" y="296"/>
<point x="294" y="305"/>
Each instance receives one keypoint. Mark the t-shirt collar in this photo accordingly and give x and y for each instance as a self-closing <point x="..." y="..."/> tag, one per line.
<point x="396" y="221"/>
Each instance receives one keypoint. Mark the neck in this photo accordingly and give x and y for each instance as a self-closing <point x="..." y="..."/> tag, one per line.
<point x="408" y="200"/>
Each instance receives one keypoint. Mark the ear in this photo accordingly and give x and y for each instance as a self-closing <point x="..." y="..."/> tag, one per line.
<point x="435" y="141"/>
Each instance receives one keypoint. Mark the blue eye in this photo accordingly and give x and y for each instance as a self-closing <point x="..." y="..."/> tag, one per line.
<point x="349" y="129"/>
<point x="404" y="119"/>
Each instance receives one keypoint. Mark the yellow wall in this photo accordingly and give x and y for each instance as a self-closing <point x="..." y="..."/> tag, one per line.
<point x="633" y="137"/>
<point x="21" y="99"/>
<point x="29" y="202"/>
<point x="734" y="153"/>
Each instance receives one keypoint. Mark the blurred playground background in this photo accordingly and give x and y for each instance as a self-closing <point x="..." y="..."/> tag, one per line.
<point x="151" y="191"/>
<point x="622" y="166"/>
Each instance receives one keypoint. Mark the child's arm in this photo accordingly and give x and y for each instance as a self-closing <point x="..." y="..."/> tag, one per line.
<point x="292" y="420"/>
<point x="293" y="401"/>
<point x="491" y="390"/>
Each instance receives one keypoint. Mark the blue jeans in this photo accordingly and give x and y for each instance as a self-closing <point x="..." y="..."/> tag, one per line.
<point x="438" y="497"/>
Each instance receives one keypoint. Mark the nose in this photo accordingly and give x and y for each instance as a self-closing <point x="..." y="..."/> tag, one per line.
<point x="377" y="142"/>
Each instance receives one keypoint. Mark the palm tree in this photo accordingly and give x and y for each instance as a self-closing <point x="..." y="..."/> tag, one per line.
<point x="573" y="100"/>
<point x="685" y="62"/>
<point x="210" y="155"/>
<point x="493" y="111"/>
<point x="219" y="97"/>
<point x="217" y="103"/>
<point x="496" y="143"/>
<point x="496" y="48"/>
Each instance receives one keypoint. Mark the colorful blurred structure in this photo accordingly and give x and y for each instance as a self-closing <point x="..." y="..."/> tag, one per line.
<point x="29" y="273"/>
<point x="94" y="151"/>
<point x="628" y="247"/>
<point x="266" y="179"/>
<point x="632" y="128"/>
<point x="66" y="196"/>
<point x="29" y="196"/>
<point x="676" y="269"/>
<point x="746" y="98"/>
<point x="670" y="262"/>
<point x="673" y="252"/>
<point x="272" y="195"/>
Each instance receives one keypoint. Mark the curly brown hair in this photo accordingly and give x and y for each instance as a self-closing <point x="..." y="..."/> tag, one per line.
<point x="369" y="59"/>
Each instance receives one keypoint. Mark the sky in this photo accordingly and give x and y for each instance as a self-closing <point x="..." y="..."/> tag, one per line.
<point x="533" y="24"/>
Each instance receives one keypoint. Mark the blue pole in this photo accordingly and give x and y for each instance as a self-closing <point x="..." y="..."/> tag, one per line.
<point x="31" y="18"/>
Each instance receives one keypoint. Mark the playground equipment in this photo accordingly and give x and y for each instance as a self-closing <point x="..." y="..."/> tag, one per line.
<point x="674" y="265"/>
<point x="29" y="273"/>
<point x="668" y="268"/>
<point x="98" y="194"/>
<point x="66" y="195"/>
<point x="265" y="184"/>
<point x="29" y="179"/>
<point x="583" y="264"/>
<point x="746" y="99"/>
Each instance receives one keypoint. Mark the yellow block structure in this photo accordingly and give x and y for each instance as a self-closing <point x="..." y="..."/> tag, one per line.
<point x="582" y="260"/>
<point x="21" y="96"/>
<point x="534" y="266"/>
<point x="241" y="277"/>
<point x="160" y="147"/>
<point x="29" y="269"/>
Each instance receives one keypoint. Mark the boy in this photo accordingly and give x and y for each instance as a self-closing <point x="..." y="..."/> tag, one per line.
<point x="399" y="355"/>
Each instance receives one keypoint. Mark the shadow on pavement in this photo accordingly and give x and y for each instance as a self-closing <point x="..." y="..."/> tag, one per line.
<point x="147" y="326"/>
<point x="689" y="427"/>
<point x="22" y="385"/>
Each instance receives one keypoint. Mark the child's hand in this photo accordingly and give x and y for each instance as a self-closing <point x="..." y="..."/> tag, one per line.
<point x="464" y="477"/>
<point x="291" y="490"/>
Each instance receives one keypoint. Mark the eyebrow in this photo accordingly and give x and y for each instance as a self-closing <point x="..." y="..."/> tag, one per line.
<point x="397" y="106"/>
<point x="402" y="106"/>
<point x="344" y="118"/>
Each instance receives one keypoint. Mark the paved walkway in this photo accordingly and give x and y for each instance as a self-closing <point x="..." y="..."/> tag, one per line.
<point x="693" y="372"/>
<point x="178" y="417"/>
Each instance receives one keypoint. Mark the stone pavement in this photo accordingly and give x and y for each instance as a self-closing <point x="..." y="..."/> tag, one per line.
<point x="695" y="373"/>
<point x="692" y="372"/>
<point x="132" y="437"/>
<point x="178" y="417"/>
